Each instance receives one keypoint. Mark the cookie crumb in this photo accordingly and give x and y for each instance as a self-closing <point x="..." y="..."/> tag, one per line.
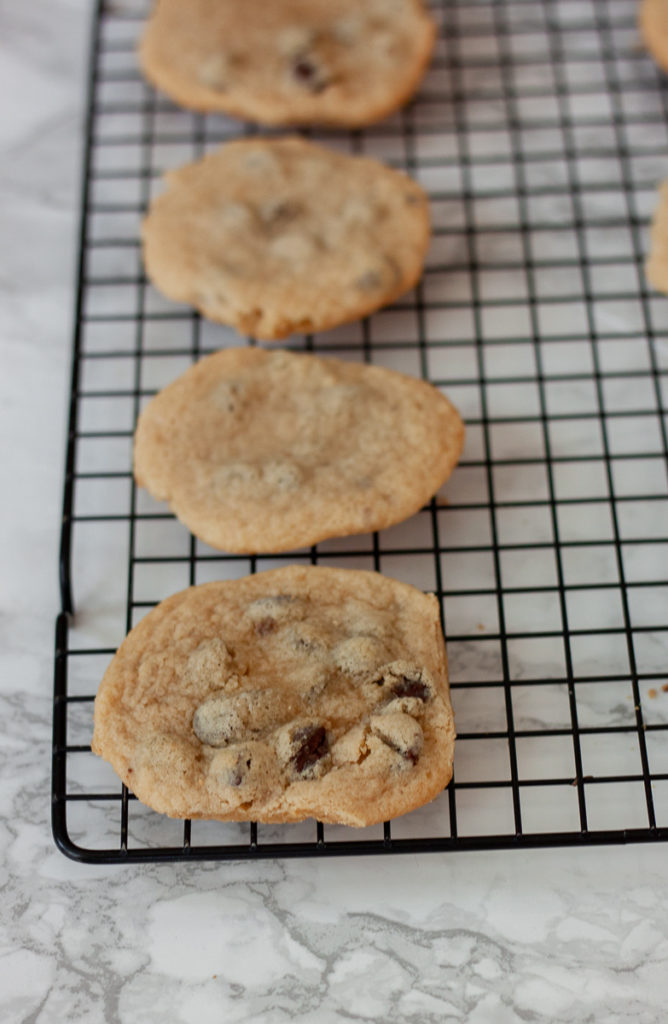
<point x="651" y="693"/>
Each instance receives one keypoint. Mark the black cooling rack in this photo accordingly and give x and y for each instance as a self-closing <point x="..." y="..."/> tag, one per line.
<point x="540" y="132"/>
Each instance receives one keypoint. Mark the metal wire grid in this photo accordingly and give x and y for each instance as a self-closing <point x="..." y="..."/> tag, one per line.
<point x="540" y="132"/>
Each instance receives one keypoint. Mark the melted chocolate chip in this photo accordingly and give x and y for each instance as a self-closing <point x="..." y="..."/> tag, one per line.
<point x="265" y="626"/>
<point x="406" y="687"/>
<point x="312" y="746"/>
<point x="304" y="70"/>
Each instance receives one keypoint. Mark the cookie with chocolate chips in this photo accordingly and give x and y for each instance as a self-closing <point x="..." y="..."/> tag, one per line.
<point x="207" y="711"/>
<point x="260" y="451"/>
<point x="343" y="62"/>
<point x="281" y="236"/>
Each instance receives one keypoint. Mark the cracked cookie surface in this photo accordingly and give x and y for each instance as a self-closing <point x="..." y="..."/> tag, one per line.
<point x="205" y="712"/>
<point x="281" y="236"/>
<point x="347" y="62"/>
<point x="260" y="451"/>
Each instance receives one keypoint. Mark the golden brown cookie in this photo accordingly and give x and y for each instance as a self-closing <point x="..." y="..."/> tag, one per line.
<point x="299" y="692"/>
<point x="654" y="28"/>
<point x="261" y="450"/>
<point x="277" y="236"/>
<point x="656" y="265"/>
<point x="343" y="62"/>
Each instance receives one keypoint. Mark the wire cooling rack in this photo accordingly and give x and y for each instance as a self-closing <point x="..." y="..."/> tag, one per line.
<point x="540" y="132"/>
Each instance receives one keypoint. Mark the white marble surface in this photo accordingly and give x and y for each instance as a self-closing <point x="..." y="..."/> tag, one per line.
<point x="562" y="935"/>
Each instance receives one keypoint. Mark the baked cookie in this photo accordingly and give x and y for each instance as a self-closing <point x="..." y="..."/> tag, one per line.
<point x="260" y="451"/>
<point x="277" y="236"/>
<point x="656" y="265"/>
<point x="339" y="62"/>
<point x="654" y="28"/>
<point x="300" y="692"/>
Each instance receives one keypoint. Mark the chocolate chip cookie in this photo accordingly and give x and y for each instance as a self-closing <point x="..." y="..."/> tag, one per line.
<point x="260" y="451"/>
<point x="299" y="692"/>
<point x="278" y="236"/>
<point x="340" y="62"/>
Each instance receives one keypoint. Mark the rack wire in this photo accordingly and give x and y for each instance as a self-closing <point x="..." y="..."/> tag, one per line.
<point x="540" y="133"/>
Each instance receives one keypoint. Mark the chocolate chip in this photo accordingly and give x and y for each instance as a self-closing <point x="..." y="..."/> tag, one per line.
<point x="308" y="74"/>
<point x="406" y="687"/>
<point x="404" y="680"/>
<point x="304" y="70"/>
<point x="265" y="626"/>
<point x="302" y="748"/>
<point x="312" y="745"/>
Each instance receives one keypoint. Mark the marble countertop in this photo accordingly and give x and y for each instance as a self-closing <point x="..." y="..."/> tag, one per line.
<point x="569" y="935"/>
